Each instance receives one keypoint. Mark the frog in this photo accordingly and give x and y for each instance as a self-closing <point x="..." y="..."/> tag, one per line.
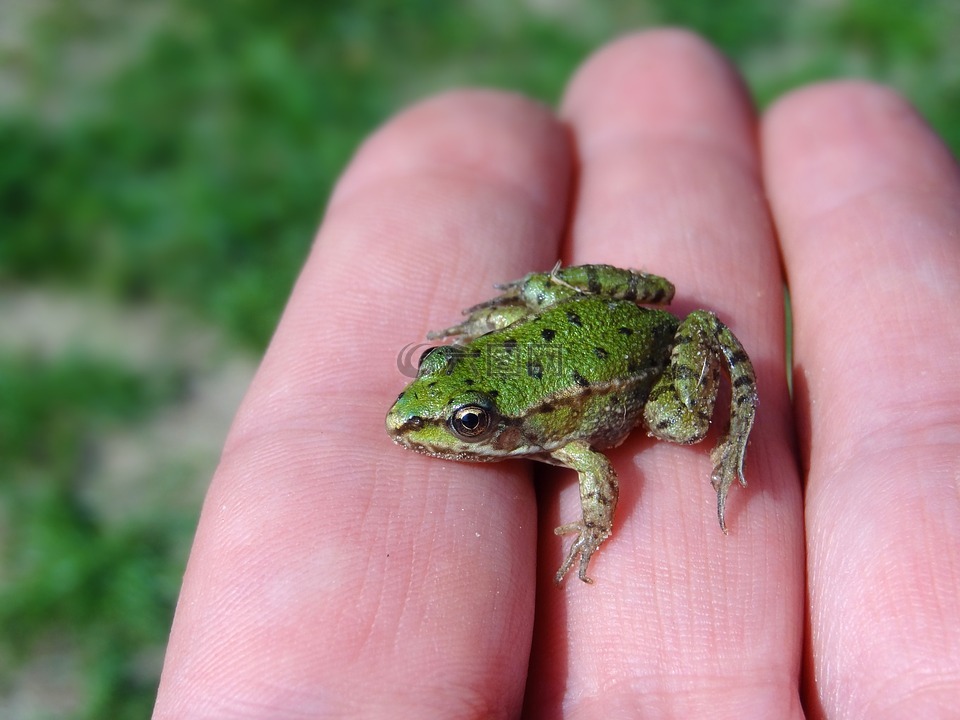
<point x="565" y="364"/>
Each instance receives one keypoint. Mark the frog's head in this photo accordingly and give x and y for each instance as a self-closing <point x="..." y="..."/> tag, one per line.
<point x="443" y="415"/>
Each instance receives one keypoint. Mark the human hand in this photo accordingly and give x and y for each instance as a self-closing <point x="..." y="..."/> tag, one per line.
<point x="334" y="574"/>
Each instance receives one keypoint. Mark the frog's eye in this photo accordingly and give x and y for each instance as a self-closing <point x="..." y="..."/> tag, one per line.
<point x="425" y="353"/>
<point x="470" y="422"/>
<point x="434" y="359"/>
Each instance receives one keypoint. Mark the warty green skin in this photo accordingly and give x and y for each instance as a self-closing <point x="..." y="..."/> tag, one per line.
<point x="564" y="364"/>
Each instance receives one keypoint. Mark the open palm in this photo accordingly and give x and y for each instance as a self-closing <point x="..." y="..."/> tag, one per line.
<point x="334" y="574"/>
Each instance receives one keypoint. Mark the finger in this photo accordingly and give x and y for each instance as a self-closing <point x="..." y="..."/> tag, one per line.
<point x="669" y="183"/>
<point x="867" y="202"/>
<point x="332" y="571"/>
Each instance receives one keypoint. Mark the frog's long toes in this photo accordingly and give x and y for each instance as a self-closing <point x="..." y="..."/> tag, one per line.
<point x="588" y="540"/>
<point x="584" y="561"/>
<point x="722" y="480"/>
<point x="574" y="551"/>
<point x="565" y="567"/>
<point x="720" y="509"/>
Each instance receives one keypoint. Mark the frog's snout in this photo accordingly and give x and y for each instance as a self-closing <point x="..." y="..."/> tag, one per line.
<point x="394" y="421"/>
<point x="399" y="424"/>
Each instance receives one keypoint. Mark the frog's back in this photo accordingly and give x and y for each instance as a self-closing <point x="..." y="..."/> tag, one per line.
<point x="580" y="369"/>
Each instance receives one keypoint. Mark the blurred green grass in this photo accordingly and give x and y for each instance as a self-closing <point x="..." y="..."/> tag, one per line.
<point x="176" y="153"/>
<point x="99" y="590"/>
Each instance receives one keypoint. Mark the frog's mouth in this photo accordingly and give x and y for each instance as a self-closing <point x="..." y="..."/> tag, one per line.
<point x="431" y="437"/>
<point x="451" y="450"/>
<point x="459" y="454"/>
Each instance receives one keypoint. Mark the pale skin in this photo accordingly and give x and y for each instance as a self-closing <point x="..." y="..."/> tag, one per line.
<point x="335" y="574"/>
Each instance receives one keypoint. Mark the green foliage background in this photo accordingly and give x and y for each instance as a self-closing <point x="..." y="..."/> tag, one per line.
<point x="177" y="153"/>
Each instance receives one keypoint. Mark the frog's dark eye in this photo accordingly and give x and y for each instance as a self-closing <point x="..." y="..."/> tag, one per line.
<point x="470" y="422"/>
<point x="425" y="353"/>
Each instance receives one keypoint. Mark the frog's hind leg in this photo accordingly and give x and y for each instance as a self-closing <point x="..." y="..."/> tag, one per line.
<point x="540" y="290"/>
<point x="537" y="291"/>
<point x="681" y="403"/>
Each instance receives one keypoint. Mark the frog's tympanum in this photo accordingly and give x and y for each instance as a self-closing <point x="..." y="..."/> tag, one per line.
<point x="563" y="365"/>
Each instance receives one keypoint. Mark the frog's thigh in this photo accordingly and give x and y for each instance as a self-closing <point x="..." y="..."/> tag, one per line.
<point x="681" y="402"/>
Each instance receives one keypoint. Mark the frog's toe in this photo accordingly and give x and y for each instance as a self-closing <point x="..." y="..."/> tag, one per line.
<point x="726" y="470"/>
<point x="587" y="542"/>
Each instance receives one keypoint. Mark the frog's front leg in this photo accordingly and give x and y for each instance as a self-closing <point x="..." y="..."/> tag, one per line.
<point x="681" y="403"/>
<point x="598" y="500"/>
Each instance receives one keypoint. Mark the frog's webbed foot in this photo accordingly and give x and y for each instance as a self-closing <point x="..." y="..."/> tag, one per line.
<point x="598" y="500"/>
<point x="680" y="405"/>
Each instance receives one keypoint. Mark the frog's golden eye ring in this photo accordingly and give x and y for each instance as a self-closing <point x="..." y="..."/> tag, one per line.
<point x="471" y="422"/>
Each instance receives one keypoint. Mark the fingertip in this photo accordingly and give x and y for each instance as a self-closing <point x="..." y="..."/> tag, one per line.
<point x="841" y="97"/>
<point x="668" y="81"/>
<point x="496" y="136"/>
<point x="829" y="142"/>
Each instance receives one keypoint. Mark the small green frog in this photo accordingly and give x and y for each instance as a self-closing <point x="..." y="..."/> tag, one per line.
<point x="565" y="364"/>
